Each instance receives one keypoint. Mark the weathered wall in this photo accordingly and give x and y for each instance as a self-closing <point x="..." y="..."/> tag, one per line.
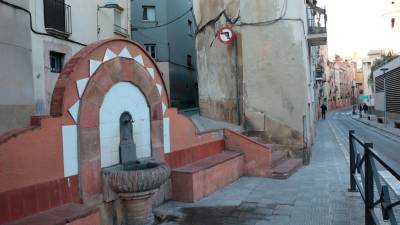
<point x="216" y="63"/>
<point x="272" y="67"/>
<point x="16" y="84"/>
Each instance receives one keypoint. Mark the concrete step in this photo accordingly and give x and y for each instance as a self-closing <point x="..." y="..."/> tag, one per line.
<point x="286" y="169"/>
<point x="278" y="157"/>
<point x="197" y="180"/>
<point x="70" y="213"/>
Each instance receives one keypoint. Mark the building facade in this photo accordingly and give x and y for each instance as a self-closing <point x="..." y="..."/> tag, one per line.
<point x="368" y="85"/>
<point x="167" y="31"/>
<point x="342" y="82"/>
<point x="264" y="80"/>
<point x="48" y="33"/>
<point x="359" y="86"/>
<point x="387" y="93"/>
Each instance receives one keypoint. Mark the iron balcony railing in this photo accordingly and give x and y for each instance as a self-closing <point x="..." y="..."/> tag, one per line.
<point x="316" y="20"/>
<point x="120" y="30"/>
<point x="57" y="17"/>
<point x="364" y="177"/>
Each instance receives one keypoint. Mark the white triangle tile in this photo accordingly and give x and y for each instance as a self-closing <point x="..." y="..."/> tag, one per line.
<point x="139" y="59"/>
<point x="159" y="87"/>
<point x="151" y="72"/>
<point x="164" y="108"/>
<point x="109" y="55"/>
<point x="81" y="85"/>
<point x="94" y="65"/>
<point x="125" y="53"/>
<point x="74" y="111"/>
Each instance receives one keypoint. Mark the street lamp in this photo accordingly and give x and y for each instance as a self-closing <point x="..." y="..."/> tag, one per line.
<point x="384" y="93"/>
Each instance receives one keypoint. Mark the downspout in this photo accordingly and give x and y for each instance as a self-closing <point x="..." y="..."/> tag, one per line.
<point x="237" y="80"/>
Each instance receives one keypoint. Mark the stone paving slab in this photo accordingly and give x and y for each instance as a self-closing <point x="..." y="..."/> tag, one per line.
<point x="316" y="194"/>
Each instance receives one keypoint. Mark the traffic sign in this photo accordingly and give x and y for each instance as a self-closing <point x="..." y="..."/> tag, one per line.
<point x="226" y="35"/>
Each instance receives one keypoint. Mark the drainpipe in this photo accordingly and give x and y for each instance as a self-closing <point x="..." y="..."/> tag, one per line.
<point x="237" y="80"/>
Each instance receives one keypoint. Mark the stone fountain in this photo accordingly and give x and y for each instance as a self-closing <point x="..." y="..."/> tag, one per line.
<point x="135" y="181"/>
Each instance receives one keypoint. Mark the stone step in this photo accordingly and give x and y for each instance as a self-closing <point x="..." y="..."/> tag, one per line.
<point x="70" y="213"/>
<point x="278" y="157"/>
<point x="197" y="180"/>
<point x="286" y="169"/>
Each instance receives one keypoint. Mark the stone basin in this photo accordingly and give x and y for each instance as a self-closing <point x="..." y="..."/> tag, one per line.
<point x="135" y="183"/>
<point x="139" y="176"/>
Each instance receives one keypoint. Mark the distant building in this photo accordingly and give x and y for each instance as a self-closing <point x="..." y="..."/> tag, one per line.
<point x="390" y="82"/>
<point x="359" y="85"/>
<point x="37" y="38"/>
<point x="166" y="29"/>
<point x="341" y="82"/>
<point x="367" y="63"/>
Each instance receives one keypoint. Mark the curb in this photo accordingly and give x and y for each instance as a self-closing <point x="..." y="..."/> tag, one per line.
<point x="381" y="129"/>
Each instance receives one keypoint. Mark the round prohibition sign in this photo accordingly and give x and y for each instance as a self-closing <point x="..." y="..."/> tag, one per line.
<point x="226" y="35"/>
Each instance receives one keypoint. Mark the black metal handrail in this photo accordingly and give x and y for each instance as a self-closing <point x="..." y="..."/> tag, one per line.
<point x="369" y="175"/>
<point x="57" y="17"/>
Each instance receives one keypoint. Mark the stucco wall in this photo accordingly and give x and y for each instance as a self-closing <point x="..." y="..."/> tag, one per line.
<point x="217" y="66"/>
<point x="273" y="60"/>
<point x="16" y="84"/>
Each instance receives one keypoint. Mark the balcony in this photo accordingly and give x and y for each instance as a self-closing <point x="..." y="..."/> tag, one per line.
<point x="57" y="18"/>
<point x="316" y="21"/>
<point x="120" y="31"/>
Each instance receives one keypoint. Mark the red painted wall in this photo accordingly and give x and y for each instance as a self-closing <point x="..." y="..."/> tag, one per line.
<point x="32" y="157"/>
<point x="258" y="158"/>
<point x="191" y="154"/>
<point x="183" y="132"/>
<point x="21" y="202"/>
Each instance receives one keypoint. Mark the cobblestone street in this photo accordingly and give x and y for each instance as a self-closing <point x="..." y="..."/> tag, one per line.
<point x="317" y="194"/>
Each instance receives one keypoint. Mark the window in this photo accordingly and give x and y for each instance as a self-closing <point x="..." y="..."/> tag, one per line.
<point x="56" y="62"/>
<point x="189" y="61"/>
<point x="190" y="27"/>
<point x="57" y="17"/>
<point x="117" y="17"/>
<point x="151" y="48"/>
<point x="149" y="13"/>
<point x="118" y="29"/>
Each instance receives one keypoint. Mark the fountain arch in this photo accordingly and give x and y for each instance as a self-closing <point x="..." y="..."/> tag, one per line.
<point x="81" y="91"/>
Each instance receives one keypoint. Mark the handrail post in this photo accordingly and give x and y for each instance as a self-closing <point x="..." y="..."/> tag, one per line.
<point x="352" y="162"/>
<point x="369" y="185"/>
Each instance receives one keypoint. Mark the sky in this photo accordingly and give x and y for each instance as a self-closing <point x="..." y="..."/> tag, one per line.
<point x="353" y="26"/>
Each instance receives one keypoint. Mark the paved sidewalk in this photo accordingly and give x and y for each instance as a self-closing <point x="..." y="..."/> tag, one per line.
<point x="316" y="194"/>
<point x="391" y="130"/>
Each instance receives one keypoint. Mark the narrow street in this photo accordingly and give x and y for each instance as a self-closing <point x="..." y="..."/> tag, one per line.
<point x="341" y="122"/>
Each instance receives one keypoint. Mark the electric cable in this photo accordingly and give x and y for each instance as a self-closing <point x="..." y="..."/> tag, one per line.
<point x="31" y="25"/>
<point x="165" y="24"/>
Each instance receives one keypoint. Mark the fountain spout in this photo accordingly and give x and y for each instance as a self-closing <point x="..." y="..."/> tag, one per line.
<point x="127" y="147"/>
